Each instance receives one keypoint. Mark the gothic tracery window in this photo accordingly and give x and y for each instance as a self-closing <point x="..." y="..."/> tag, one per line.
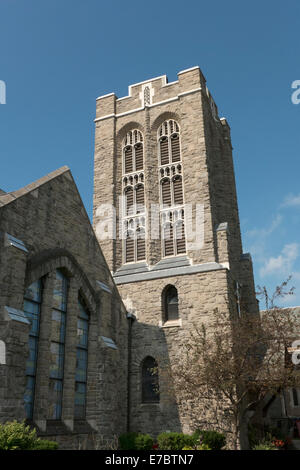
<point x="134" y="197"/>
<point x="171" y="189"/>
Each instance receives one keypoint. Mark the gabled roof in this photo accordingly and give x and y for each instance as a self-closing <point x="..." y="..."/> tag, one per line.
<point x="6" y="198"/>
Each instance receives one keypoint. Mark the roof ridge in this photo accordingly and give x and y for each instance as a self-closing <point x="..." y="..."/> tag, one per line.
<point x="6" y="198"/>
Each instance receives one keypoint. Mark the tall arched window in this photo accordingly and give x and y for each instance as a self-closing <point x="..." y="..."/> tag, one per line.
<point x="170" y="304"/>
<point x="81" y="361"/>
<point x="150" y="381"/>
<point x="134" y="198"/>
<point x="171" y="189"/>
<point x="57" y="345"/>
<point x="32" y="308"/>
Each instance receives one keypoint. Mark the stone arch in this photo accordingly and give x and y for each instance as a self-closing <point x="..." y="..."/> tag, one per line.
<point x="121" y="133"/>
<point x="49" y="260"/>
<point x="2" y="352"/>
<point x="164" y="117"/>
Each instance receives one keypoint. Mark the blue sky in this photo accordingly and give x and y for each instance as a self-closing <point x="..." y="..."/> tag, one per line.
<point x="57" y="56"/>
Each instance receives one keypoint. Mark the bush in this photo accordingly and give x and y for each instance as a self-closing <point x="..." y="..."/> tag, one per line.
<point x="265" y="446"/>
<point x="127" y="440"/>
<point x="18" y="436"/>
<point x="175" y="441"/>
<point x="213" y="439"/>
<point x="203" y="447"/>
<point x="135" y="441"/>
<point x="43" y="444"/>
<point x="143" y="442"/>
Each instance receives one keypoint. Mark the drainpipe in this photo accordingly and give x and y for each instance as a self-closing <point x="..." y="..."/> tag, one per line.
<point x="131" y="318"/>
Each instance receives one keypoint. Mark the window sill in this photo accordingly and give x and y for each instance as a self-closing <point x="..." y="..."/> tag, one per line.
<point x="171" y="323"/>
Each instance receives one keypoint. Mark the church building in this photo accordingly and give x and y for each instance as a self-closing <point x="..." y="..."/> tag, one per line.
<point x="88" y="311"/>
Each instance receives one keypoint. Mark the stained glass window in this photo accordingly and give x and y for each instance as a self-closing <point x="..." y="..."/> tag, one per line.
<point x="81" y="361"/>
<point x="57" y="345"/>
<point x="32" y="308"/>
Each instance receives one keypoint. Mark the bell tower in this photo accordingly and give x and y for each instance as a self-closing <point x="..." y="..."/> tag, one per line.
<point x="166" y="216"/>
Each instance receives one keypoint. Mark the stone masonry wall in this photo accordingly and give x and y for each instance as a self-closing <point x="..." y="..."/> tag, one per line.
<point x="49" y="218"/>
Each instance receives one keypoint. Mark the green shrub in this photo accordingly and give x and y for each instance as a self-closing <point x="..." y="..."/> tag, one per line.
<point x="143" y="442"/>
<point x="213" y="439"/>
<point x="43" y="444"/>
<point x="203" y="447"/>
<point x="18" y="436"/>
<point x="265" y="446"/>
<point x="135" y="441"/>
<point x="174" y="441"/>
<point x="127" y="440"/>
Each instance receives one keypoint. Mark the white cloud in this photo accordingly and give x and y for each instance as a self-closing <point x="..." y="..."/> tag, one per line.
<point x="283" y="264"/>
<point x="257" y="238"/>
<point x="291" y="201"/>
<point x="265" y="232"/>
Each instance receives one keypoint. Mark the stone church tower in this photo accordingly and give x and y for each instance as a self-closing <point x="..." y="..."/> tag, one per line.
<point x="166" y="217"/>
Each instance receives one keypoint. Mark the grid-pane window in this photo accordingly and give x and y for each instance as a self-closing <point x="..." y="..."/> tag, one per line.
<point x="32" y="308"/>
<point x="81" y="361"/>
<point x="150" y="381"/>
<point x="57" y="345"/>
<point x="171" y="189"/>
<point x="134" y="197"/>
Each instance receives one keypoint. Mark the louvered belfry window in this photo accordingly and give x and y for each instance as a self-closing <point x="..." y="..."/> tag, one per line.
<point x="171" y="189"/>
<point x="134" y="247"/>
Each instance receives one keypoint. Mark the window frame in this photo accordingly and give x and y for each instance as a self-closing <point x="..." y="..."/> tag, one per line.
<point x="145" y="379"/>
<point x="37" y="337"/>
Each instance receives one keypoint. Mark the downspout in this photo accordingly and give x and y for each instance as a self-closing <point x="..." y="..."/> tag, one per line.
<point x="131" y="318"/>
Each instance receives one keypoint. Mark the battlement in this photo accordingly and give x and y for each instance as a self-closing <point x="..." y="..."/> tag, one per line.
<point x="149" y="93"/>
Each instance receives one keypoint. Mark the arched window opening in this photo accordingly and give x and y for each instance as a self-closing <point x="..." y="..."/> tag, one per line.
<point x="177" y="190"/>
<point x="32" y="309"/>
<point x="180" y="238"/>
<point x="140" y="244"/>
<point x="164" y="151"/>
<point x="140" y="199"/>
<point x="133" y="152"/>
<point x="129" y="200"/>
<point x="150" y="381"/>
<point x="166" y="192"/>
<point x="57" y="345"/>
<point x="134" y="192"/>
<point x="81" y="361"/>
<point x="170" y="297"/>
<point x="175" y="148"/>
<point x="128" y="159"/>
<point x="171" y="189"/>
<point x="168" y="239"/>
